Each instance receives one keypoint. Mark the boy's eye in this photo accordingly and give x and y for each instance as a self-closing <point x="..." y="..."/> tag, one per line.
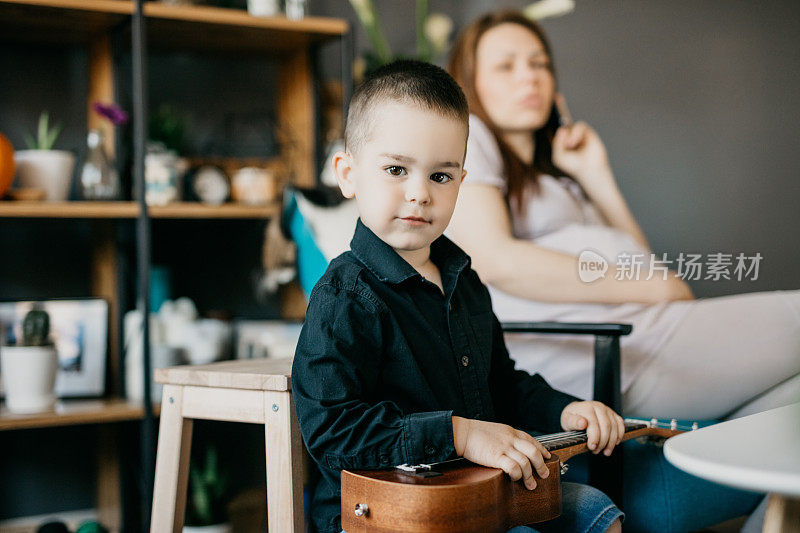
<point x="395" y="170"/>
<point x="441" y="177"/>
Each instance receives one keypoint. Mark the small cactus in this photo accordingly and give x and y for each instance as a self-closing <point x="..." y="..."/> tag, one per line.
<point x="36" y="328"/>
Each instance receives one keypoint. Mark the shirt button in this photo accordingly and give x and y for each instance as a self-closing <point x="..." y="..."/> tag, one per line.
<point x="477" y="416"/>
<point x="465" y="361"/>
<point x="430" y="450"/>
<point x="384" y="459"/>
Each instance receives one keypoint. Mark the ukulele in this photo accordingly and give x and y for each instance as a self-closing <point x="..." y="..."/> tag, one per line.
<point x="457" y="496"/>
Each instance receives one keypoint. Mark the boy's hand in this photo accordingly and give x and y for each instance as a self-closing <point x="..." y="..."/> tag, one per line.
<point x="500" y="446"/>
<point x="604" y="428"/>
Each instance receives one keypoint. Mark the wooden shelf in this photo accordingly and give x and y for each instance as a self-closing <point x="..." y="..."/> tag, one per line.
<point x="168" y="26"/>
<point x="216" y="28"/>
<point x="177" y="210"/>
<point x="58" y="21"/>
<point x="75" y="412"/>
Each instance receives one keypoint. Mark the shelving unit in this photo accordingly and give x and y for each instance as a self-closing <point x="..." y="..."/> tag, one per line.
<point x="123" y="210"/>
<point x="93" y="23"/>
<point x="76" y="412"/>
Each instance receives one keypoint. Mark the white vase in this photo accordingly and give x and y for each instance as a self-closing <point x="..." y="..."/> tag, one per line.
<point x="50" y="170"/>
<point x="29" y="377"/>
<point x="217" y="528"/>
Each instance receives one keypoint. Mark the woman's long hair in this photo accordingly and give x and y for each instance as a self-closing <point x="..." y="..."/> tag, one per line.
<point x="461" y="66"/>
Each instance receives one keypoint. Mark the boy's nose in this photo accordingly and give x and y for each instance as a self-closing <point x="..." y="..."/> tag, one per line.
<point x="417" y="191"/>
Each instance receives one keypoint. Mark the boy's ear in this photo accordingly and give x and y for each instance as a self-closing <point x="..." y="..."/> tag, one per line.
<point x="342" y="163"/>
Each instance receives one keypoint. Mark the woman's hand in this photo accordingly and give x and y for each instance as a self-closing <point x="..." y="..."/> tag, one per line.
<point x="579" y="151"/>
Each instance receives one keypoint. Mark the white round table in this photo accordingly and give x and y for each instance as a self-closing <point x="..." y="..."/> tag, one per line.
<point x="760" y="452"/>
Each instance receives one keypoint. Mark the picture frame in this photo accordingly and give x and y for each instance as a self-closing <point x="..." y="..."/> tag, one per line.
<point x="79" y="330"/>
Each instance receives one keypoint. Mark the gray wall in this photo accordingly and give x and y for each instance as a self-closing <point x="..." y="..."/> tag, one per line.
<point x="697" y="105"/>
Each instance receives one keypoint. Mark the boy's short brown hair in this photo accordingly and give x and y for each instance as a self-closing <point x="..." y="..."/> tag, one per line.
<point x="405" y="81"/>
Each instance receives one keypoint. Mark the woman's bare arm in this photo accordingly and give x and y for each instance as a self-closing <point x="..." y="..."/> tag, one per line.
<point x="482" y="227"/>
<point x="578" y="150"/>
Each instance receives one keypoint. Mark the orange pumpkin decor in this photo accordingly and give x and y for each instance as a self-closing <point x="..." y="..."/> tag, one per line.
<point x="7" y="166"/>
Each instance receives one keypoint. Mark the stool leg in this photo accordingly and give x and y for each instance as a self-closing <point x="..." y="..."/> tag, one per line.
<point x="284" y="449"/>
<point x="172" y="463"/>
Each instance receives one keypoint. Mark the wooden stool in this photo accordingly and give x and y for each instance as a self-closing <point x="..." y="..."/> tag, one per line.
<point x="255" y="391"/>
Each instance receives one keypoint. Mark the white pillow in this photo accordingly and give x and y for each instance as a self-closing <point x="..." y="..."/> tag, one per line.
<point x="332" y="227"/>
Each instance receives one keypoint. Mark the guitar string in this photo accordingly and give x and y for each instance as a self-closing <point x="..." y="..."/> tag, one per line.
<point x="552" y="438"/>
<point x="570" y="435"/>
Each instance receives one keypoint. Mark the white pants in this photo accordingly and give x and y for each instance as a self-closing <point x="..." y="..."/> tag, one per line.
<point x="728" y="357"/>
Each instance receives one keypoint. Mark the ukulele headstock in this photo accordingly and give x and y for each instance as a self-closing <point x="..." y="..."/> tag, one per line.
<point x="658" y="430"/>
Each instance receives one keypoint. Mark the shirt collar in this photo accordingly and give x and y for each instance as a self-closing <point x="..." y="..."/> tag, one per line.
<point x="387" y="265"/>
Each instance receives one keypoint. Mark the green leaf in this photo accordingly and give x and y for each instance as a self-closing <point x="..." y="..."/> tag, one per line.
<point x="29" y="140"/>
<point x="41" y="135"/>
<point x="200" y="498"/>
<point x="53" y="135"/>
<point x="423" y="46"/>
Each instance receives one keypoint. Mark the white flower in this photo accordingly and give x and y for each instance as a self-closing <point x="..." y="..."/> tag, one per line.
<point x="437" y="30"/>
<point x="549" y="8"/>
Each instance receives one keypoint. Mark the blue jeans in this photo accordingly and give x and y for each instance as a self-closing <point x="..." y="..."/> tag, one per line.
<point x="659" y="498"/>
<point x="584" y="509"/>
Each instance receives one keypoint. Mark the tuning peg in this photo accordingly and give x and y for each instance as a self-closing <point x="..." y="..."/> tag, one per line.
<point x="564" y="468"/>
<point x="694" y="426"/>
<point x="673" y="424"/>
<point x="654" y="422"/>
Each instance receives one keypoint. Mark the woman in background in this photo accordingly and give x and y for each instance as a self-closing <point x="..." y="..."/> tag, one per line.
<point x="539" y="193"/>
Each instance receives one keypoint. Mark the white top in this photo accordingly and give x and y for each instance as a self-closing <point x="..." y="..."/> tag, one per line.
<point x="560" y="217"/>
<point x="757" y="452"/>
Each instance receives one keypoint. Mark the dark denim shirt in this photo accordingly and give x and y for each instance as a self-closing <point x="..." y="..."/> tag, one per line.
<point x="385" y="360"/>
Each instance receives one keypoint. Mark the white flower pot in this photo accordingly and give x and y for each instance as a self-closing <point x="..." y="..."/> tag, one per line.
<point x="50" y="170"/>
<point x="217" y="528"/>
<point x="263" y="8"/>
<point x="29" y="377"/>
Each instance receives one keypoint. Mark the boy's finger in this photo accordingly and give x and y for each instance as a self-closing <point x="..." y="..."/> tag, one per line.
<point x="527" y="437"/>
<point x="592" y="430"/>
<point x="544" y="451"/>
<point x="534" y="455"/>
<point x="576" y="421"/>
<point x="522" y="460"/>
<point x="605" y="428"/>
<point x="613" y="432"/>
<point x="621" y="424"/>
<point x="510" y="467"/>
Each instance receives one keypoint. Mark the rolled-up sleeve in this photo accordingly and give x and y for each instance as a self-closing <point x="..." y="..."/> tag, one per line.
<point x="522" y="400"/>
<point x="336" y="368"/>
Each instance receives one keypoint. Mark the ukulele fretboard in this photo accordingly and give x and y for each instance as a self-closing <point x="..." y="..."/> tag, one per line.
<point x="557" y="441"/>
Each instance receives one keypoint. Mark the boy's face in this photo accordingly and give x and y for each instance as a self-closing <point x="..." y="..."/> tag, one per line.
<point x="406" y="175"/>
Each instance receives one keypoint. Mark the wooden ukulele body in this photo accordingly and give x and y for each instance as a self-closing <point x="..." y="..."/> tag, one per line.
<point x="464" y="499"/>
<point x="468" y="498"/>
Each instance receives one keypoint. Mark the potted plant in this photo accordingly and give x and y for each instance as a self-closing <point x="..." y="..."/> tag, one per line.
<point x="41" y="167"/>
<point x="29" y="369"/>
<point x="206" y="511"/>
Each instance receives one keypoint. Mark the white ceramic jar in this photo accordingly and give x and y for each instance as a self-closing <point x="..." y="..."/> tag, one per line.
<point x="29" y="377"/>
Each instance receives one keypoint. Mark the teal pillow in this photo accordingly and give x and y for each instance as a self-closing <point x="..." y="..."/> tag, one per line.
<point x="311" y="264"/>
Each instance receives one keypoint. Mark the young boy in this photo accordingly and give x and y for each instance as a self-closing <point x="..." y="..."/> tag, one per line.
<point x="401" y="359"/>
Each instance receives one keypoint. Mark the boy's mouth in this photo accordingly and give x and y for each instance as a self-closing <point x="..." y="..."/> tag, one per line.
<point x="415" y="220"/>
